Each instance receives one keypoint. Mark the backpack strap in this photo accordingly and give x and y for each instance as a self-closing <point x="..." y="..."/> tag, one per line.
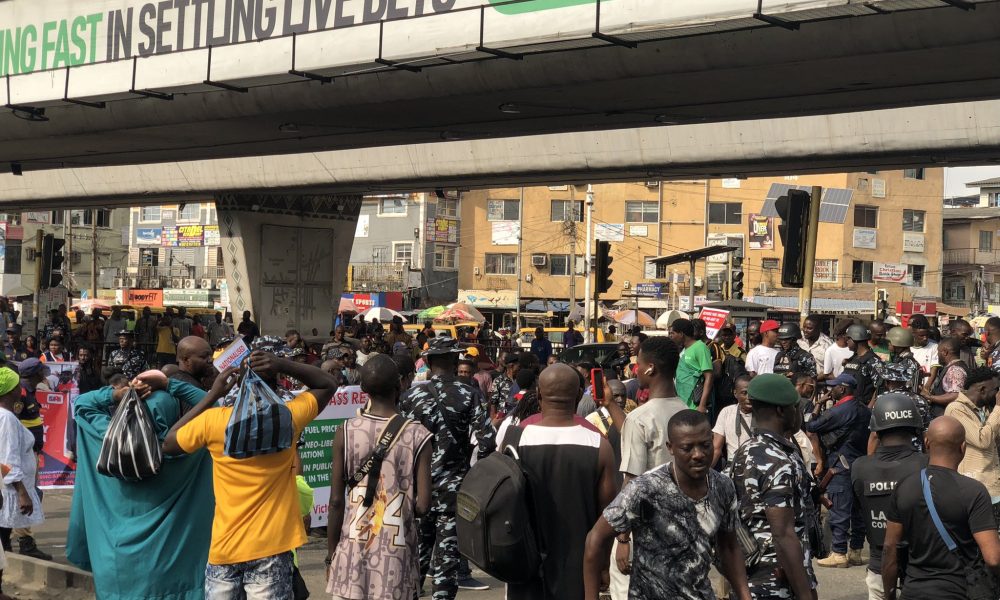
<point x="371" y="467"/>
<point x="925" y="484"/>
<point x="741" y="424"/>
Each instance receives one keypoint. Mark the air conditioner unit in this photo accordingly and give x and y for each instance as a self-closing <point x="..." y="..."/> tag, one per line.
<point x="189" y="284"/>
<point x="697" y="282"/>
<point x="207" y="284"/>
<point x="120" y="282"/>
<point x="133" y="282"/>
<point x="652" y="184"/>
<point x="626" y="285"/>
<point x="539" y="260"/>
<point x="177" y="282"/>
<point x="475" y="270"/>
<point x="219" y="283"/>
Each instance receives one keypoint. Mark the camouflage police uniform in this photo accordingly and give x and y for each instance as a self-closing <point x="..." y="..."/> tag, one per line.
<point x="867" y="371"/>
<point x="909" y="367"/>
<point x="130" y="361"/>
<point x="794" y="360"/>
<point x="901" y="373"/>
<point x="768" y="472"/>
<point x="451" y="412"/>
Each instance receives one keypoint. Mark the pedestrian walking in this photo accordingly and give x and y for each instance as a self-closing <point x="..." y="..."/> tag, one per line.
<point x="678" y="514"/>
<point x="695" y="374"/>
<point x="22" y="505"/>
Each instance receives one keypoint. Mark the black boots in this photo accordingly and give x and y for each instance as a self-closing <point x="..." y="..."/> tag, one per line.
<point x="26" y="546"/>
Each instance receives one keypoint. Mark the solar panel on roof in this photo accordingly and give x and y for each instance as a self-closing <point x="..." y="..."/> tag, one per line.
<point x="832" y="209"/>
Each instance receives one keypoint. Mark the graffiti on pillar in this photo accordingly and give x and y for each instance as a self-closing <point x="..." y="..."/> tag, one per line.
<point x="296" y="271"/>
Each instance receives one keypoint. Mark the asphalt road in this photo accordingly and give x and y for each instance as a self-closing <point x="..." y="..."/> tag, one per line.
<point x="835" y="584"/>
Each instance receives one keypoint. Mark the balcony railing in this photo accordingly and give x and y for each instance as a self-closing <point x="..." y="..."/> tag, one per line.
<point x="378" y="277"/>
<point x="176" y="276"/>
<point x="971" y="256"/>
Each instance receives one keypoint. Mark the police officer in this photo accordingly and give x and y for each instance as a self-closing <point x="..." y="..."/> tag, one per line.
<point x="900" y="342"/>
<point x="865" y="366"/>
<point x="449" y="410"/>
<point x="127" y="358"/>
<point x="896" y="380"/>
<point x="774" y="488"/>
<point x="843" y="432"/>
<point x="792" y="358"/>
<point x="895" y="420"/>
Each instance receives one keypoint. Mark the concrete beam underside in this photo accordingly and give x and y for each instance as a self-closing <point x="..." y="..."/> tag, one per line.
<point x="945" y="134"/>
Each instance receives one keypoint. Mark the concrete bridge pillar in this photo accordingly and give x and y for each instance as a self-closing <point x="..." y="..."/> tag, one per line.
<point x="286" y="257"/>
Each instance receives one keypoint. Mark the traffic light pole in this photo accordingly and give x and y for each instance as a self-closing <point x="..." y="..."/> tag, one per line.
<point x="588" y="268"/>
<point x="806" y="293"/>
<point x="38" y="273"/>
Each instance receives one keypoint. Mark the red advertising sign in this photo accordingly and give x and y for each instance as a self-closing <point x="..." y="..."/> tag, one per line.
<point x="151" y="298"/>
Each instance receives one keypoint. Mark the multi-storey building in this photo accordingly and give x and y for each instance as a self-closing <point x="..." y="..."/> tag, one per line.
<point x="878" y="230"/>
<point x="972" y="250"/>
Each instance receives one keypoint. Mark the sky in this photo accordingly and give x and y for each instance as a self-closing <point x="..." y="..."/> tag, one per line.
<point x="955" y="179"/>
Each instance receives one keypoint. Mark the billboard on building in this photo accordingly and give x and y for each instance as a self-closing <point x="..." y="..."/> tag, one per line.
<point x="761" y="232"/>
<point x="890" y="272"/>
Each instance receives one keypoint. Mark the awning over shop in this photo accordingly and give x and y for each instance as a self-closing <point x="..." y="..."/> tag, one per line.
<point x="839" y="306"/>
<point x="953" y="311"/>
<point x="547" y="305"/>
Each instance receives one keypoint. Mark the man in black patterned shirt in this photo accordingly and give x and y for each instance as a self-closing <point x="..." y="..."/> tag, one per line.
<point x="774" y="488"/>
<point x="677" y="513"/>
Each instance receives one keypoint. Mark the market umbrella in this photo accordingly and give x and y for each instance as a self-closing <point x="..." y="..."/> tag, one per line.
<point x="669" y="317"/>
<point x="634" y="317"/>
<point x="348" y="305"/>
<point x="383" y="314"/>
<point x="90" y="304"/>
<point x="461" y="311"/>
<point x="431" y="313"/>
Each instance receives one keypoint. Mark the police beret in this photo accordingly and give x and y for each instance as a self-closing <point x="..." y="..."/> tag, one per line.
<point x="773" y="389"/>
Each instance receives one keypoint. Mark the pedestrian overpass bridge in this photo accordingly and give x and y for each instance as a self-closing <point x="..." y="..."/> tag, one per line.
<point x="287" y="110"/>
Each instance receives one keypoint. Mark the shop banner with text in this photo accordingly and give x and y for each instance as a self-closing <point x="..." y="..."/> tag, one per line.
<point x="56" y="470"/>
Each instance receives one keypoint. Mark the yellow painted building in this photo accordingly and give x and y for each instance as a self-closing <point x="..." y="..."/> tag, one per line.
<point x="874" y="227"/>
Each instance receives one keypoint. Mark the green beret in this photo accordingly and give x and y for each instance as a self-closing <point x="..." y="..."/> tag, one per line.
<point x="773" y="389"/>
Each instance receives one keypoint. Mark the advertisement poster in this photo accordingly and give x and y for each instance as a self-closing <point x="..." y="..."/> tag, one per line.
<point x="168" y="237"/>
<point x="891" y="272"/>
<point x="148" y="236"/>
<point x="190" y="236"/>
<point x="317" y="455"/>
<point x="609" y="232"/>
<point x="825" y="270"/>
<point x="55" y="469"/>
<point x="714" y="320"/>
<point x="761" y="232"/>
<point x="212" y="236"/>
<point x="864" y="238"/>
<point x="505" y="233"/>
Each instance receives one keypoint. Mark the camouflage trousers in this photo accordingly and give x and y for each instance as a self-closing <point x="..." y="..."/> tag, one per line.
<point x="439" y="549"/>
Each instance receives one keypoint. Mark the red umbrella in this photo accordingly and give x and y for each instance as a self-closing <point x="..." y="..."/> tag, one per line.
<point x="347" y="305"/>
<point x="461" y="311"/>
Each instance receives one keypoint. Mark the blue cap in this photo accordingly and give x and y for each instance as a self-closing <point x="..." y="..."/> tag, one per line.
<point x="844" y="379"/>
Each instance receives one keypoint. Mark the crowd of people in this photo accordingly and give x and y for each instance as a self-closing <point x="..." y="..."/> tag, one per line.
<point x="679" y="455"/>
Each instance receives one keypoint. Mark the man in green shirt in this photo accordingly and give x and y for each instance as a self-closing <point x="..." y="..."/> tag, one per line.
<point x="694" y="373"/>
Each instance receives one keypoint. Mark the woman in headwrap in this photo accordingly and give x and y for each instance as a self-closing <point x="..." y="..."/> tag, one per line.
<point x="21" y="505"/>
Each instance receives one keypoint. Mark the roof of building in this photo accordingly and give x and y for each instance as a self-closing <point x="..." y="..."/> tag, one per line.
<point x="992" y="181"/>
<point x="978" y="213"/>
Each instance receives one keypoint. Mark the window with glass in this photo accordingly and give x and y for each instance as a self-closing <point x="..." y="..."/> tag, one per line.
<point x="725" y="213"/>
<point x="58" y="217"/>
<point x="567" y="210"/>
<point x="913" y="173"/>
<point x="149" y="214"/>
<point x="866" y="216"/>
<point x="12" y="258"/>
<point x="86" y="217"/>
<point x="403" y="253"/>
<point x="913" y="220"/>
<point x="862" y="271"/>
<point x="559" y="264"/>
<point x="916" y="273"/>
<point x="637" y="211"/>
<point x="986" y="241"/>
<point x="447" y="207"/>
<point x="503" y="210"/>
<point x="392" y="206"/>
<point x="649" y="269"/>
<point x="189" y="212"/>
<point x="445" y="257"/>
<point x="501" y="264"/>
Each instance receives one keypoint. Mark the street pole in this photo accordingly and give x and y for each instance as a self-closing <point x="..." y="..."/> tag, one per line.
<point x="571" y="227"/>
<point x="38" y="274"/>
<point x="691" y="285"/>
<point x="68" y="262"/>
<point x="93" y="254"/>
<point x="806" y="294"/>
<point x="588" y="258"/>
<point x="520" y="262"/>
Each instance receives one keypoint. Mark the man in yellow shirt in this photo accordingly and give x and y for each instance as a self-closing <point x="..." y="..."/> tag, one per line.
<point x="257" y="522"/>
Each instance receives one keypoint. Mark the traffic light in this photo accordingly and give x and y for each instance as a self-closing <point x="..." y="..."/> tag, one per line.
<point x="793" y="210"/>
<point x="52" y="261"/>
<point x="881" y="304"/>
<point x="736" y="279"/>
<point x="603" y="269"/>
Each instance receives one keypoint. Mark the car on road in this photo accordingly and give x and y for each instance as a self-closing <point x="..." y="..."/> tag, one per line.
<point x="603" y="355"/>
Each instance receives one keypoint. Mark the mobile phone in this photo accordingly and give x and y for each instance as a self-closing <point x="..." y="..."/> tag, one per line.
<point x="597" y="380"/>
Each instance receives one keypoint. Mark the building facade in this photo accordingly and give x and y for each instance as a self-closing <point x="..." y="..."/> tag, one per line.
<point x="878" y="230"/>
<point x="406" y="243"/>
<point x="972" y="257"/>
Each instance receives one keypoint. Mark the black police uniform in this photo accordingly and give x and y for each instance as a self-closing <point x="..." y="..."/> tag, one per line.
<point x="794" y="360"/>
<point x="874" y="478"/>
<point x="865" y="370"/>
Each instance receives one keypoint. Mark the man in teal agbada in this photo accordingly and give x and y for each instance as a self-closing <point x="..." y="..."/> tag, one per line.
<point x="144" y="539"/>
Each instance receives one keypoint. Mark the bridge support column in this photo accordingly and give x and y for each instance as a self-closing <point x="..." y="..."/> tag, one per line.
<point x="286" y="257"/>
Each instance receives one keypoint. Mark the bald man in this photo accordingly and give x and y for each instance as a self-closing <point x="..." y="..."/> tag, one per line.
<point x="194" y="361"/>
<point x="964" y="508"/>
<point x="577" y="468"/>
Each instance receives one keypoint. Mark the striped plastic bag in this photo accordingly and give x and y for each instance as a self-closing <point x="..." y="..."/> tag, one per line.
<point x="130" y="450"/>
<point x="260" y="422"/>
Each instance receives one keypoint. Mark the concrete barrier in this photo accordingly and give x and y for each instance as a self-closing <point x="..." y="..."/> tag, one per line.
<point x="42" y="574"/>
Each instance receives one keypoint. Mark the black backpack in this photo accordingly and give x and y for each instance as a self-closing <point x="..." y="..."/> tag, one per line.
<point x="732" y="369"/>
<point x="494" y="516"/>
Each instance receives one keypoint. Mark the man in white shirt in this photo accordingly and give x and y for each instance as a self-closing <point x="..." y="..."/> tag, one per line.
<point x="814" y="341"/>
<point x="836" y="354"/>
<point x="925" y="350"/>
<point x="760" y="359"/>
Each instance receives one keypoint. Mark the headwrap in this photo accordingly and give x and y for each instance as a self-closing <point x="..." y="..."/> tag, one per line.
<point x="9" y="379"/>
